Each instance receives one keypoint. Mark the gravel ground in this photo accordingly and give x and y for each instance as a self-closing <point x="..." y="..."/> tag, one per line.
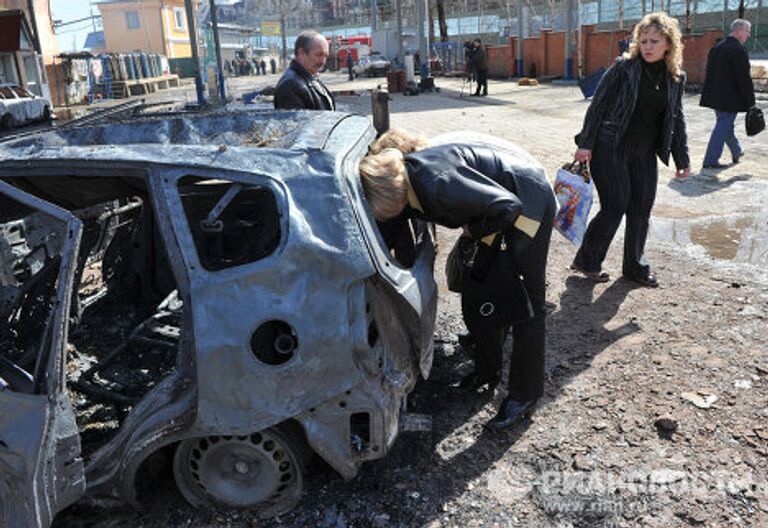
<point x="654" y="413"/>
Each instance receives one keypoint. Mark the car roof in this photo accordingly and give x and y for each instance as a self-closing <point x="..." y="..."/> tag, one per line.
<point x="238" y="139"/>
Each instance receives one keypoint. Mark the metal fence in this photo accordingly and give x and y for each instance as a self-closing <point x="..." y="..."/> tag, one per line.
<point x="495" y="20"/>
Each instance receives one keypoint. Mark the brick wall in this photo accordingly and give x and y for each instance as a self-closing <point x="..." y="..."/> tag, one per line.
<point x="547" y="52"/>
<point x="500" y="61"/>
<point x="695" y="54"/>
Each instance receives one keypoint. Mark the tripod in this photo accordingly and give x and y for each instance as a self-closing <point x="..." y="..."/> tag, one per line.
<point x="466" y="82"/>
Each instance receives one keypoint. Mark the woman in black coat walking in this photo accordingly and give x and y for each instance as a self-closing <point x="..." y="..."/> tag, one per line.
<point x="506" y="206"/>
<point x="635" y="116"/>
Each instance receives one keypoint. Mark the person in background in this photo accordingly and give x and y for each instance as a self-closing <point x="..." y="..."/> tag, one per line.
<point x="479" y="65"/>
<point x="300" y="87"/>
<point x="636" y="115"/>
<point x="350" y="63"/>
<point x="505" y="204"/>
<point x="728" y="89"/>
<point x="263" y="65"/>
<point x="272" y="65"/>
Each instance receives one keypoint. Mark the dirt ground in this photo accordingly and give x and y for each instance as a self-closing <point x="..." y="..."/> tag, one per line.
<point x="655" y="407"/>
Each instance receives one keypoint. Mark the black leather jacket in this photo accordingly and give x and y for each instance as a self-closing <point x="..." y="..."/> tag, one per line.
<point x="482" y="188"/>
<point x="614" y="102"/>
<point x="297" y="90"/>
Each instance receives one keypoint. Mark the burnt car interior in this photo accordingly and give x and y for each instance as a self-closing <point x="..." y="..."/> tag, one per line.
<point x="125" y="316"/>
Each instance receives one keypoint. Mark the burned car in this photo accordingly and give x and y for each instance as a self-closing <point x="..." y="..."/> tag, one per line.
<point x="209" y="290"/>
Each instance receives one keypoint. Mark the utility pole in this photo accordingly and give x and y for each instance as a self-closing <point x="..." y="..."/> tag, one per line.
<point x="422" y="6"/>
<point x="374" y="17"/>
<point x="217" y="47"/>
<point x="568" y="40"/>
<point x="192" y="27"/>
<point x="519" y="66"/>
<point x="399" y="16"/>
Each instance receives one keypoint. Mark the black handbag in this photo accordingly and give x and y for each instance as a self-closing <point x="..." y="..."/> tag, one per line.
<point x="458" y="259"/>
<point x="495" y="297"/>
<point x="755" y="121"/>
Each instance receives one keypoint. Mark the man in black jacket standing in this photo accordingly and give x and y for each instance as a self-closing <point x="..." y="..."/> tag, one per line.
<point x="728" y="90"/>
<point x="299" y="87"/>
<point x="479" y="65"/>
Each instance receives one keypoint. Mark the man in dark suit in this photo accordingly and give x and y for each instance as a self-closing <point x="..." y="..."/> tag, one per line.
<point x="300" y="87"/>
<point x="727" y="90"/>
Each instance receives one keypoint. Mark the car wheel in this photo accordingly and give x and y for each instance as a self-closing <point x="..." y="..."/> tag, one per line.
<point x="8" y="123"/>
<point x="262" y="471"/>
<point x="47" y="114"/>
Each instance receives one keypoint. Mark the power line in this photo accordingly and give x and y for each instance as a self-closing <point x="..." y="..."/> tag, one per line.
<point x="59" y="23"/>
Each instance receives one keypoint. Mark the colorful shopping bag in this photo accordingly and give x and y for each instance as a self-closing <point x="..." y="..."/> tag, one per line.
<point x="574" y="190"/>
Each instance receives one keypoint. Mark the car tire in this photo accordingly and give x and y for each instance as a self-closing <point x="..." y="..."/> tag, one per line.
<point x="47" y="114"/>
<point x="7" y="122"/>
<point x="263" y="471"/>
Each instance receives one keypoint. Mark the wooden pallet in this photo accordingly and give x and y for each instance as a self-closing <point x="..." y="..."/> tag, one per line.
<point x="125" y="88"/>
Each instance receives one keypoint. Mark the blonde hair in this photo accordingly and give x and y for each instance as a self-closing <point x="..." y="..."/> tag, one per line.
<point x="385" y="183"/>
<point x="670" y="29"/>
<point x="398" y="139"/>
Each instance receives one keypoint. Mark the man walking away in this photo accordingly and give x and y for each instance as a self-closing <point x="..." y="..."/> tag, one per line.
<point x="727" y="90"/>
<point x="272" y="65"/>
<point x="300" y="87"/>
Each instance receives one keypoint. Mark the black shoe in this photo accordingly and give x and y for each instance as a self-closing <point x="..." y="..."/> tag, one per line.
<point x="475" y="95"/>
<point x="474" y="381"/>
<point x="510" y="413"/>
<point x="649" y="281"/>
<point x="716" y="165"/>
<point x="737" y="157"/>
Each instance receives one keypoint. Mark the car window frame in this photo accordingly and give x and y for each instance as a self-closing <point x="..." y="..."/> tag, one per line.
<point x="21" y="93"/>
<point x="179" y="221"/>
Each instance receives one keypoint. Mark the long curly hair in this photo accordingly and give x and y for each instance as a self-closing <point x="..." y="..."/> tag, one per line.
<point x="670" y="29"/>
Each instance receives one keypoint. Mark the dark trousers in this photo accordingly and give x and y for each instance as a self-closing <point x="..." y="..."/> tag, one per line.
<point x="526" y="370"/>
<point x="482" y="81"/>
<point x="626" y="179"/>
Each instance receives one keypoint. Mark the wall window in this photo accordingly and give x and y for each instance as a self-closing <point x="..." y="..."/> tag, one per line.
<point x="132" y="20"/>
<point x="180" y="18"/>
<point x="8" y="69"/>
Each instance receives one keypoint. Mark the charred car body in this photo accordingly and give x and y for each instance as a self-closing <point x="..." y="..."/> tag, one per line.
<point x="207" y="287"/>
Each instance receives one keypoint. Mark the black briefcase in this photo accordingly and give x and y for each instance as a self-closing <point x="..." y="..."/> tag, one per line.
<point x="755" y="121"/>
